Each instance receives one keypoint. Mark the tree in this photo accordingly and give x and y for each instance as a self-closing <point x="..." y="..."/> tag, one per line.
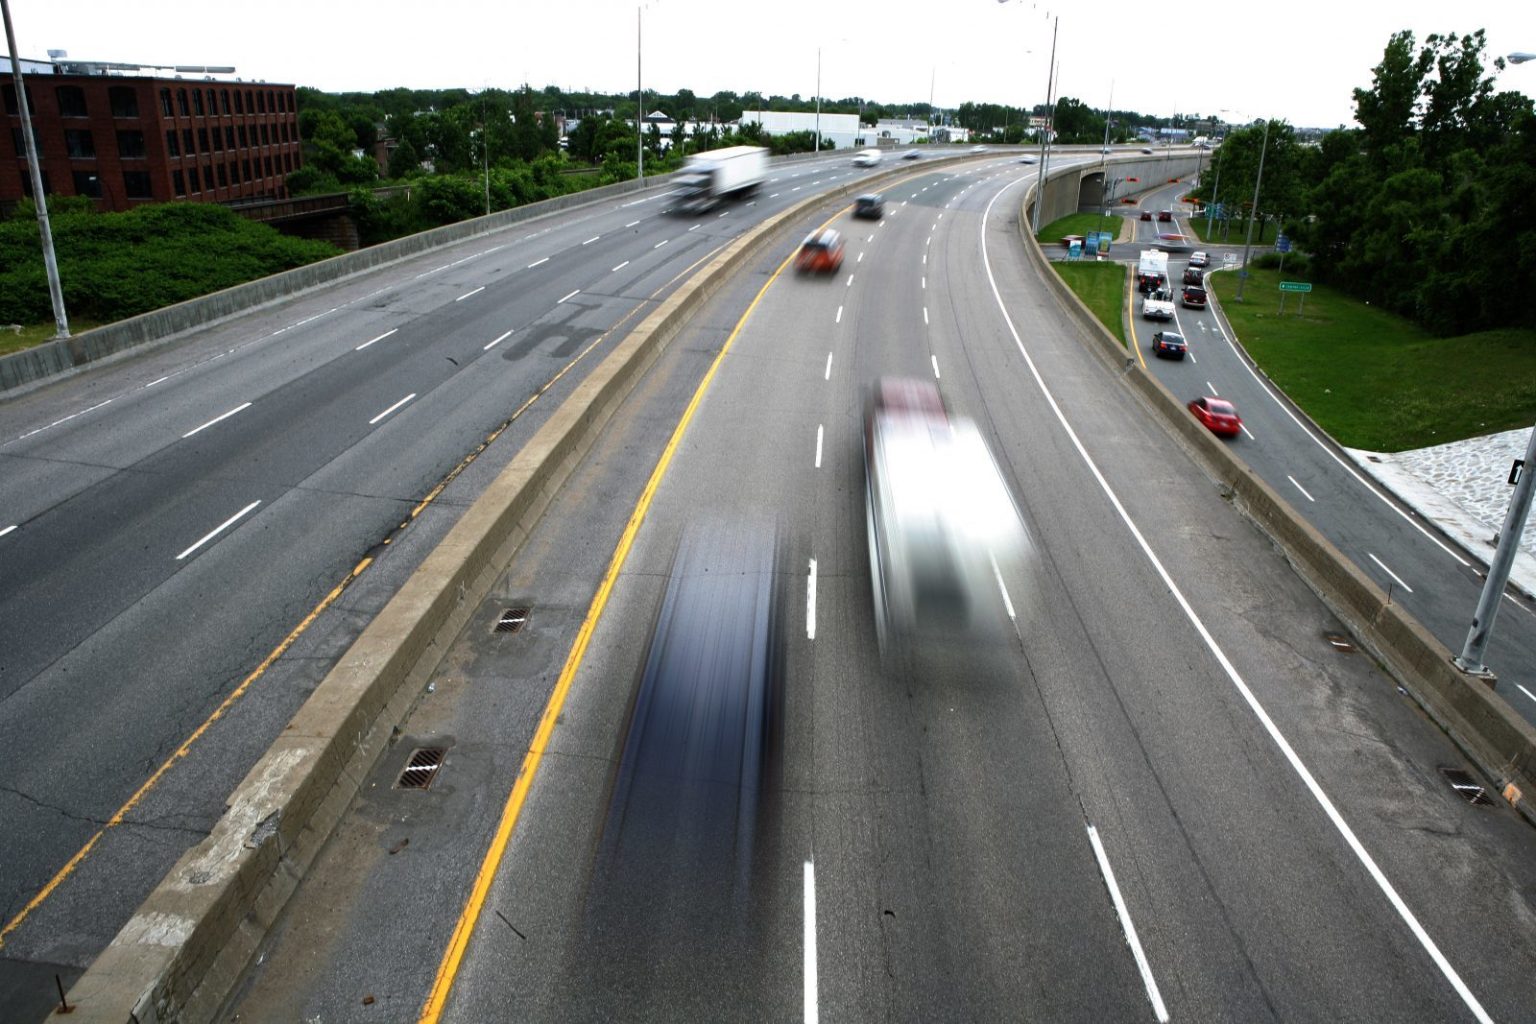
<point x="404" y="162"/>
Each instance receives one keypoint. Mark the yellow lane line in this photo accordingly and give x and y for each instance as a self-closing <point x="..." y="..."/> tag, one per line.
<point x="458" y="944"/>
<point x="288" y="641"/>
<point x="1130" y="318"/>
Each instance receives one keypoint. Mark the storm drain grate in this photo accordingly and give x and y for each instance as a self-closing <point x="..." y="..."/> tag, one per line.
<point x="1464" y="786"/>
<point x="512" y="620"/>
<point x="1340" y="642"/>
<point x="421" y="769"/>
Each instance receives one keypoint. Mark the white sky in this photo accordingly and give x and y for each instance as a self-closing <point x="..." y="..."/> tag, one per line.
<point x="1297" y="60"/>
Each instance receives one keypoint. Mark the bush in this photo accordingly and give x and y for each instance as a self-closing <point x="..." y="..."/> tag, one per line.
<point x="1296" y="263"/>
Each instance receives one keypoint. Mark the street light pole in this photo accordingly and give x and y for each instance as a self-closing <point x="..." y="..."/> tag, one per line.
<point x="1050" y="124"/>
<point x="50" y="263"/>
<point x="1470" y="660"/>
<point x="818" y="99"/>
<point x="639" y="105"/>
<point x="1242" y="277"/>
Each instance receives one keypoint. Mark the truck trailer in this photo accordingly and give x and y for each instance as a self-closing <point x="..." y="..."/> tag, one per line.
<point x="708" y="178"/>
<point x="1152" y="271"/>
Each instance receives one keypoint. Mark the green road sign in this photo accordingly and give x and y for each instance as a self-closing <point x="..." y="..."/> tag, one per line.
<point x="1295" y="286"/>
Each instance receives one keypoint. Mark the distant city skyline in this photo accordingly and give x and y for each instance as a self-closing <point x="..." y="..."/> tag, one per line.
<point x="1299" y="62"/>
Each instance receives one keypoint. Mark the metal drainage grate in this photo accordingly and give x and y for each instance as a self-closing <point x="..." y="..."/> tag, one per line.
<point x="512" y="620"/>
<point x="421" y="769"/>
<point x="1340" y="642"/>
<point x="1464" y="786"/>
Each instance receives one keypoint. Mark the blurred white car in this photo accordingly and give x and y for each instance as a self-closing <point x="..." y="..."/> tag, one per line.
<point x="866" y="158"/>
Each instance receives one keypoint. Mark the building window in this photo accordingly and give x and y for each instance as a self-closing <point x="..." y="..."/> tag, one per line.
<point x="71" y="101"/>
<point x="239" y="105"/>
<point x="172" y="144"/>
<point x="11" y="107"/>
<point x="208" y="178"/>
<point x="250" y="102"/>
<point x="287" y="163"/>
<point x="218" y="139"/>
<point x="265" y="140"/>
<point x="234" y="173"/>
<point x="79" y="143"/>
<point x="243" y="143"/>
<point x="26" y="185"/>
<point x="181" y="102"/>
<point x="261" y="103"/>
<point x="20" y="142"/>
<point x="87" y="184"/>
<point x="179" y="180"/>
<point x="192" y="176"/>
<point x="224" y="101"/>
<point x="268" y="163"/>
<point x="284" y="129"/>
<point x="130" y="145"/>
<point x="186" y="141"/>
<point x="229" y="136"/>
<point x="137" y="185"/>
<point x="165" y="103"/>
<point x="213" y="103"/>
<point x="245" y="170"/>
<point x="125" y="101"/>
<point x="202" y="140"/>
<point x="197" y="102"/>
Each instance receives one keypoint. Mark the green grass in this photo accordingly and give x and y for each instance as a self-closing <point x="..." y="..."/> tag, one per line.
<point x="1235" y="232"/>
<point x="1101" y="286"/>
<point x="1078" y="224"/>
<point x="36" y="334"/>
<point x="1373" y="380"/>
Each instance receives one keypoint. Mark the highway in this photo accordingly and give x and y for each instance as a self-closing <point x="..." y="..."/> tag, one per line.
<point x="191" y="536"/>
<point x="1165" y="796"/>
<point x="1406" y="557"/>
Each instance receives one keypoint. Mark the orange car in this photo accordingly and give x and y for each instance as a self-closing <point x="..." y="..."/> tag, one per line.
<point x="821" y="253"/>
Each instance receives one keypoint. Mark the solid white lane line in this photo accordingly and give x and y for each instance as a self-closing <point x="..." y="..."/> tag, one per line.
<point x="1129" y="928"/>
<point x="839" y="315"/>
<point x="592" y="239"/>
<point x="661" y="243"/>
<point x="621" y="266"/>
<point x="381" y="337"/>
<point x="1523" y="690"/>
<point x="216" y="419"/>
<point x="935" y="366"/>
<point x="631" y="223"/>
<point x="1300" y="488"/>
<point x="570" y="296"/>
<point x="535" y="263"/>
<point x="1276" y="736"/>
<point x="828" y="374"/>
<point x="812" y="1014"/>
<point x="810" y="603"/>
<point x="1389" y="572"/>
<point x="818" y="449"/>
<point x="8" y="529"/>
<point x="392" y="408"/>
<point x="1007" y="601"/>
<point x="66" y="419"/>
<point x="226" y="524"/>
<point x="498" y="341"/>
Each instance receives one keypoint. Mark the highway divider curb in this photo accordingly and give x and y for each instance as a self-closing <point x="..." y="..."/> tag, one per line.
<point x="185" y="948"/>
<point x="1486" y="729"/>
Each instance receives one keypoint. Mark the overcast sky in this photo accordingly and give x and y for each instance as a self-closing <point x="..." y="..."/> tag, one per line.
<point x="1297" y="60"/>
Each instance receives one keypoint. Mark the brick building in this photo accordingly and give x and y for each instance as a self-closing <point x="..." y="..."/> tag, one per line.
<point x="126" y="137"/>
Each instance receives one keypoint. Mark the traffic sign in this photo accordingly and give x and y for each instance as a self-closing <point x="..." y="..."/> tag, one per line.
<point x="1295" y="286"/>
<point x="1282" y="243"/>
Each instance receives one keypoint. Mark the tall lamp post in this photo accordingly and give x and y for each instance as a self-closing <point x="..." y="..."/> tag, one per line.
<point x="1523" y="476"/>
<point x="1047" y="131"/>
<point x="1242" y="277"/>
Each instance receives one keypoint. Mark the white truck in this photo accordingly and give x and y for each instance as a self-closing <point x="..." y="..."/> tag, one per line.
<point x="1152" y="271"/>
<point x="1158" y="305"/>
<point x="710" y="177"/>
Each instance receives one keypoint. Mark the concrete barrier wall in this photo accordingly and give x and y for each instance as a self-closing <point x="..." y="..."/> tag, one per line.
<point x="1488" y="730"/>
<point x="180" y="955"/>
<point x="1063" y="187"/>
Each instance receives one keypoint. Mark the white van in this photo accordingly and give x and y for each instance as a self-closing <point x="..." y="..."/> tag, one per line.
<point x="866" y="158"/>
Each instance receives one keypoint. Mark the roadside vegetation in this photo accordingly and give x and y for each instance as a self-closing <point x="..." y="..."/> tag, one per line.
<point x="1078" y="224"/>
<point x="1102" y="287"/>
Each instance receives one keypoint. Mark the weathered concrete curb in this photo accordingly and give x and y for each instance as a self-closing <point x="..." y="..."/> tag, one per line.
<point x="179" y="956"/>
<point x="1487" y="730"/>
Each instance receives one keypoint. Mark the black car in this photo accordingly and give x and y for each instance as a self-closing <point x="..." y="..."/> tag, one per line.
<point x="869" y="207"/>
<point x="1169" y="344"/>
<point x="1192" y="275"/>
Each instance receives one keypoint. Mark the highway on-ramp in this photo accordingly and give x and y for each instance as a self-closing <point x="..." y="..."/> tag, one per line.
<point x="1166" y="796"/>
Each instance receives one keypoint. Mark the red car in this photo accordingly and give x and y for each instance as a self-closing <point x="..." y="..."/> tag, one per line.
<point x="821" y="253"/>
<point x="1146" y="214"/>
<point x="1165" y="215"/>
<point x="1218" y="415"/>
<point x="1194" y="297"/>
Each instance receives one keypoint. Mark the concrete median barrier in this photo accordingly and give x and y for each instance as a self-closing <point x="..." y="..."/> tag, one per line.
<point x="1492" y="735"/>
<point x="180" y="955"/>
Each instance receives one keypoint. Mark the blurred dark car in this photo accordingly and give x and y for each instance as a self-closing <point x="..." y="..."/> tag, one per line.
<point x="1218" y="415"/>
<point x="1169" y="345"/>
<point x="912" y="154"/>
<point x="1146" y="214"/>
<point x="1165" y="215"/>
<point x="820" y="253"/>
<point x="1144" y="149"/>
<point x="1194" y="297"/>
<point x="1192" y="275"/>
<point x="869" y="207"/>
<point x="1026" y="160"/>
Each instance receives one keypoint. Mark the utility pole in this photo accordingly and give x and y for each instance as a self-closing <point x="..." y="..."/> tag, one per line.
<point x="818" y="99"/>
<point x="50" y="263"/>
<point x="1242" y="277"/>
<point x="639" y="104"/>
<point x="1523" y="475"/>
<point x="1050" y="123"/>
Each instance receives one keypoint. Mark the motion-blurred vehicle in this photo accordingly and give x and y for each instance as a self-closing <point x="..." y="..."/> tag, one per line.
<point x="706" y="724"/>
<point x="1145" y="149"/>
<point x="869" y="207"/>
<point x="978" y="149"/>
<point x="1193" y="297"/>
<point x="1169" y="345"/>
<point x="867" y="158"/>
<point x="820" y="253"/>
<point x="1199" y="259"/>
<point x="1164" y="215"/>
<point x="1026" y="159"/>
<point x="912" y="154"/>
<point x="707" y="179"/>
<point x="939" y="515"/>
<point x="1146" y="214"/>
<point x="1218" y="415"/>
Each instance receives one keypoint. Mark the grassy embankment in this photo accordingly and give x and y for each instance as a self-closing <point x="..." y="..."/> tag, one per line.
<point x="1101" y="286"/>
